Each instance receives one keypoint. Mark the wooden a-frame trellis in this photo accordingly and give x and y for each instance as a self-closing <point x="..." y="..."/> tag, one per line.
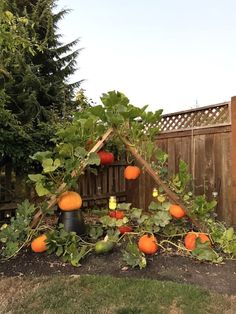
<point x="107" y="135"/>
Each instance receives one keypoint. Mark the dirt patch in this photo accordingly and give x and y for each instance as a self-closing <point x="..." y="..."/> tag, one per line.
<point x="213" y="277"/>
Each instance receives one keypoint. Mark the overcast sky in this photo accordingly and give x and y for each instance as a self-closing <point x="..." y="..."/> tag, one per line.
<point x="169" y="54"/>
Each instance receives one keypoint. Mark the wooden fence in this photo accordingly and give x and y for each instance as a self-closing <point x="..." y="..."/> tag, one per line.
<point x="95" y="189"/>
<point x="202" y="137"/>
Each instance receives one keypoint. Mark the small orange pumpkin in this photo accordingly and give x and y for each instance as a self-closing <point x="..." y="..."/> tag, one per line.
<point x="176" y="211"/>
<point x="38" y="245"/>
<point x="191" y="237"/>
<point x="69" y="200"/>
<point x="132" y="172"/>
<point x="148" y="244"/>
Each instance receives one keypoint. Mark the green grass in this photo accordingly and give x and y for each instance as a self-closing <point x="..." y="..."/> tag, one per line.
<point x="104" y="294"/>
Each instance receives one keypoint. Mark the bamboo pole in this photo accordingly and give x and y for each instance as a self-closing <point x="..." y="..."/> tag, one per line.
<point x="54" y="198"/>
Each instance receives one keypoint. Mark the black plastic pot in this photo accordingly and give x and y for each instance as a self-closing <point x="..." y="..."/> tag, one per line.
<point x="73" y="221"/>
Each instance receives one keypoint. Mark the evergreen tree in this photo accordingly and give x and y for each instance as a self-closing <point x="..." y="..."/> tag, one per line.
<point x="34" y="87"/>
<point x="41" y="86"/>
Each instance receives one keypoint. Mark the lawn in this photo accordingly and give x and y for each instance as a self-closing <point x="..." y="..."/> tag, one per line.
<point x="106" y="294"/>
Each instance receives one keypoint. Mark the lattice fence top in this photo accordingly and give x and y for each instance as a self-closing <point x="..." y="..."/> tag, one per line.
<point x="201" y="117"/>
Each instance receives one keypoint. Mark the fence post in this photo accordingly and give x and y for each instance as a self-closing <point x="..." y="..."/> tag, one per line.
<point x="233" y="158"/>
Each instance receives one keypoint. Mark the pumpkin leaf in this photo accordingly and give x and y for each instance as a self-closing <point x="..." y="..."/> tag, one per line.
<point x="50" y="165"/>
<point x="229" y="234"/>
<point x="165" y="206"/>
<point x="142" y="219"/>
<point x="59" y="251"/>
<point x="136" y="213"/>
<point x="121" y="222"/>
<point x="36" y="177"/>
<point x="162" y="218"/>
<point x="95" y="232"/>
<point x="153" y="206"/>
<point x="65" y="150"/>
<point x="40" y="156"/>
<point x="98" y="111"/>
<point x="204" y="252"/>
<point x="124" y="206"/>
<point x="108" y="221"/>
<point x="79" y="255"/>
<point x="40" y="189"/>
<point x="80" y="152"/>
<point x="93" y="159"/>
<point x="133" y="257"/>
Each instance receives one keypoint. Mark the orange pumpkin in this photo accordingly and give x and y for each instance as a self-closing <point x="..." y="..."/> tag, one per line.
<point x="148" y="244"/>
<point x="38" y="245"/>
<point x="176" y="211"/>
<point x="191" y="237"/>
<point x="132" y="172"/>
<point x="69" y="200"/>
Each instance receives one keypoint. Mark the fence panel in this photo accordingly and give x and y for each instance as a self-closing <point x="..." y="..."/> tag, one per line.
<point x="202" y="138"/>
<point x="96" y="189"/>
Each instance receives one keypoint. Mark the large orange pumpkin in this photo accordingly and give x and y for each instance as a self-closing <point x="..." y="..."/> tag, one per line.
<point x="38" y="245"/>
<point x="176" y="211"/>
<point x="69" y="200"/>
<point x="148" y="244"/>
<point x="132" y="172"/>
<point x="191" y="237"/>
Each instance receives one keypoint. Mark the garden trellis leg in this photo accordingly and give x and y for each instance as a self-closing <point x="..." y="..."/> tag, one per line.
<point x="54" y="198"/>
<point x="171" y="195"/>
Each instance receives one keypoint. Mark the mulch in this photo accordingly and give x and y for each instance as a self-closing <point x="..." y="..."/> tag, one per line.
<point x="220" y="278"/>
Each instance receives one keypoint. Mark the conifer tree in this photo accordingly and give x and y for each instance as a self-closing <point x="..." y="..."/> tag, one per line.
<point x="41" y="86"/>
<point x="35" y="89"/>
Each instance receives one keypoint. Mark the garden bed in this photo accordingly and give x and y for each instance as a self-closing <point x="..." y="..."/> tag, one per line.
<point x="162" y="266"/>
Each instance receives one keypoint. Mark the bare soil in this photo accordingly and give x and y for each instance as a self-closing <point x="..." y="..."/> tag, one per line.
<point x="220" y="278"/>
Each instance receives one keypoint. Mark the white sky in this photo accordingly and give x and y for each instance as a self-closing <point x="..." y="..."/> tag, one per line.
<point x="169" y="54"/>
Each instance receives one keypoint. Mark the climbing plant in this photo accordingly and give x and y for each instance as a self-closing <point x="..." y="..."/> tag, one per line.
<point x="134" y="129"/>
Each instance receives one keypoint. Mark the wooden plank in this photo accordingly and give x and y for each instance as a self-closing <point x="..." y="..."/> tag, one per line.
<point x="209" y="165"/>
<point x="226" y="211"/>
<point x="217" y="152"/>
<point x="171" y="157"/>
<point x="197" y="131"/>
<point x="233" y="159"/>
<point x="8" y="206"/>
<point x="111" y="180"/>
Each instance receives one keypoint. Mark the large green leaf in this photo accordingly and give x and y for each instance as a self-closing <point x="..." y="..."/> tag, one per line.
<point x="93" y="159"/>
<point x="36" y="177"/>
<point x="133" y="257"/>
<point x="40" y="156"/>
<point x="41" y="190"/>
<point x="203" y="251"/>
<point x="50" y="165"/>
